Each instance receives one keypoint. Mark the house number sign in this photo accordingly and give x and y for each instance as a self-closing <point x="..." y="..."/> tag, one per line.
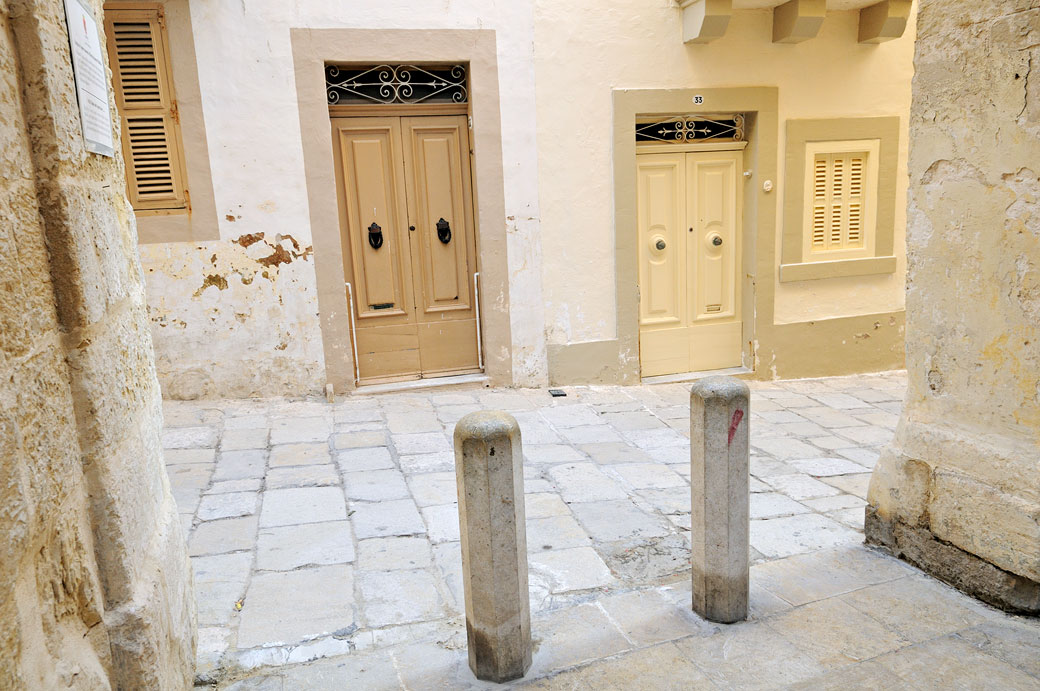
<point x="698" y="100"/>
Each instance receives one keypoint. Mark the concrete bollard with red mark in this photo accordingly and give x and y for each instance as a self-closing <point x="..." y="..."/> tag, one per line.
<point x="719" y="423"/>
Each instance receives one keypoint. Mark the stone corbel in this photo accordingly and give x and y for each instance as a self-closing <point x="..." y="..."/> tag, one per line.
<point x="884" y="21"/>
<point x="705" y="20"/>
<point x="798" y="20"/>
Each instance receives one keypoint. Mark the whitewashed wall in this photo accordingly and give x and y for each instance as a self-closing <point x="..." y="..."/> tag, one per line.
<point x="239" y="316"/>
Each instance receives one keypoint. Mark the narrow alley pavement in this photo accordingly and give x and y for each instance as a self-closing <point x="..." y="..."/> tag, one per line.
<point x="325" y="545"/>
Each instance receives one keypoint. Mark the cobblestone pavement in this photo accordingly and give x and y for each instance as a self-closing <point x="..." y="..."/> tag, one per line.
<point x="325" y="545"/>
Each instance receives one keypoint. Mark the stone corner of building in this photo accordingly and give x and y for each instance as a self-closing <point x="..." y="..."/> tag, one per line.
<point x="965" y="571"/>
<point x="154" y="634"/>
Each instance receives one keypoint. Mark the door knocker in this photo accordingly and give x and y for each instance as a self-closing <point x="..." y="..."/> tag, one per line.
<point x="375" y="236"/>
<point x="443" y="231"/>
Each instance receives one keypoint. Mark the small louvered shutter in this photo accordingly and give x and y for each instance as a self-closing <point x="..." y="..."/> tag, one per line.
<point x="838" y="201"/>
<point x="145" y="99"/>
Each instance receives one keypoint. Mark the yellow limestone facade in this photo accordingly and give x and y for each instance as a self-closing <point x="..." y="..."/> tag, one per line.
<point x="95" y="584"/>
<point x="248" y="298"/>
<point x="634" y="50"/>
<point x="958" y="491"/>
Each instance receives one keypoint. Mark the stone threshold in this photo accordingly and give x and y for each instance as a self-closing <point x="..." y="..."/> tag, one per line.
<point x="692" y="376"/>
<point x="439" y="382"/>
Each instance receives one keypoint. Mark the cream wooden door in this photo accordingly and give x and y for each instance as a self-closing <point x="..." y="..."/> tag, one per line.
<point x="408" y="243"/>
<point x="689" y="261"/>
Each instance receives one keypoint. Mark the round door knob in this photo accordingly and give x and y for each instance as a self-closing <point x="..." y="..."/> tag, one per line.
<point x="716" y="241"/>
<point x="660" y="245"/>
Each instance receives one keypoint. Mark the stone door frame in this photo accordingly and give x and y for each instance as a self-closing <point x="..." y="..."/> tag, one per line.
<point x="312" y="49"/>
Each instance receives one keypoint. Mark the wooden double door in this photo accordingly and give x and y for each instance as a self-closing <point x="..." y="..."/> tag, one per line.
<point x="689" y="261"/>
<point x="409" y="250"/>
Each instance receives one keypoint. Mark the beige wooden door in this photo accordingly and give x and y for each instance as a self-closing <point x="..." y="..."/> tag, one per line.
<point x="408" y="243"/>
<point x="689" y="261"/>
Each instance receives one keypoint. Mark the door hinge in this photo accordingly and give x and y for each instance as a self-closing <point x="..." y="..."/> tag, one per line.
<point x="161" y="18"/>
<point x="469" y="121"/>
<point x="175" y="113"/>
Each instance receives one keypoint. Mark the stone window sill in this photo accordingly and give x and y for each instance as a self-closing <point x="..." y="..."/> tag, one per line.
<point x="810" y="271"/>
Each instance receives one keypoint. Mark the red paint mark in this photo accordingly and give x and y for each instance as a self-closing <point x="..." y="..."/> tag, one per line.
<point x="738" y="415"/>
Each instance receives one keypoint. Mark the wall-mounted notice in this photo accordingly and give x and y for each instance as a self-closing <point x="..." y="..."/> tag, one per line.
<point x="91" y="84"/>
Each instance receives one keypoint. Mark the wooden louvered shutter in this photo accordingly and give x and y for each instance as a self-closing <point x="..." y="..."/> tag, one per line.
<point x="838" y="201"/>
<point x="137" y="48"/>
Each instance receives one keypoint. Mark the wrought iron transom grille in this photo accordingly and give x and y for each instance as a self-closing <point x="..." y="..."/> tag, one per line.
<point x="680" y="129"/>
<point x="406" y="83"/>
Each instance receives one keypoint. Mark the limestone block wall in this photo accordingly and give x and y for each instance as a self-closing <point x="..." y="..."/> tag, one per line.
<point x="95" y="585"/>
<point x="958" y="492"/>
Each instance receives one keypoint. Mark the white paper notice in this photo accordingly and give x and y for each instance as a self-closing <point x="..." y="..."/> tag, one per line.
<point x="91" y="84"/>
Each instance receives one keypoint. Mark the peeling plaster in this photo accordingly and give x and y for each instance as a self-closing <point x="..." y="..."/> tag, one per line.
<point x="236" y="318"/>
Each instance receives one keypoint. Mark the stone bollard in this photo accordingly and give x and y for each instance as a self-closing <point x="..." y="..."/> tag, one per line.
<point x="490" y="476"/>
<point x="719" y="424"/>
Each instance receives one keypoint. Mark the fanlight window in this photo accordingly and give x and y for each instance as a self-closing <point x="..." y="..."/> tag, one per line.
<point x="682" y="129"/>
<point x="404" y="83"/>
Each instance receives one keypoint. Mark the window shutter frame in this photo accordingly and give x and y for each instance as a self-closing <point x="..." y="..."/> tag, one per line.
<point x="840" y="200"/>
<point x="142" y="81"/>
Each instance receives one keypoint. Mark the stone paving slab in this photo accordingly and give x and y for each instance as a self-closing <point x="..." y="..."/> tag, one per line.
<point x="325" y="543"/>
<point x="221" y="537"/>
<point x="284" y="548"/>
<point x="284" y="608"/>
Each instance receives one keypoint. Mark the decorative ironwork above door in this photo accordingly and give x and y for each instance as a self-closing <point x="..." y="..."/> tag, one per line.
<point x="404" y="83"/>
<point x="682" y="129"/>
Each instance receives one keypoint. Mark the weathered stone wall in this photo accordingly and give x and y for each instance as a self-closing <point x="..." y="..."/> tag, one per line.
<point x="958" y="492"/>
<point x="95" y="585"/>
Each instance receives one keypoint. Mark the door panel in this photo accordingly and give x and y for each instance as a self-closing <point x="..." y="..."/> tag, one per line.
<point x="436" y="167"/>
<point x="661" y="181"/>
<point x="366" y="153"/>
<point x="448" y="346"/>
<point x="388" y="351"/>
<point x="714" y="346"/>
<point x="689" y="288"/>
<point x="438" y="190"/>
<point x="664" y="351"/>
<point x="713" y="210"/>
<point x="370" y="185"/>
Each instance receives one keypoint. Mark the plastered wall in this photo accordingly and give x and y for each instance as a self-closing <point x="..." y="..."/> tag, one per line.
<point x="234" y="318"/>
<point x="95" y="585"/>
<point x="239" y="316"/>
<point x="958" y="492"/>
<point x="227" y="323"/>
<point x="632" y="44"/>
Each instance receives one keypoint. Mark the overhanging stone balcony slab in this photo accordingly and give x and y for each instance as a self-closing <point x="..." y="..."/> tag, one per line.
<point x="794" y="21"/>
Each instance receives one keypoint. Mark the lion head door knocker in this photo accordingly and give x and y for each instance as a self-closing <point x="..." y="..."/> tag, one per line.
<point x="443" y="231"/>
<point x="375" y="236"/>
